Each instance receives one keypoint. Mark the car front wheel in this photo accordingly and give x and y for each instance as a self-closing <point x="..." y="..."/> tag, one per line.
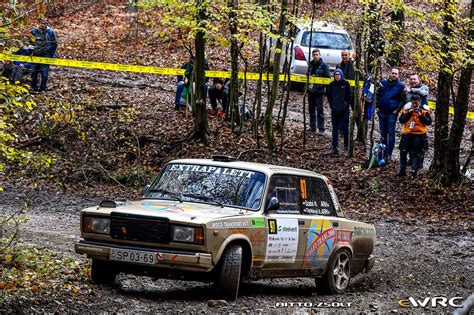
<point x="228" y="278"/>
<point x="336" y="278"/>
<point x="102" y="273"/>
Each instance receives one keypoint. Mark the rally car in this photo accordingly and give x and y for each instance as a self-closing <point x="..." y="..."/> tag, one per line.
<point x="224" y="220"/>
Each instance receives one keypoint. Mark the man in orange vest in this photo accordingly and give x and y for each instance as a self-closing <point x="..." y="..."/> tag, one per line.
<point x="416" y="118"/>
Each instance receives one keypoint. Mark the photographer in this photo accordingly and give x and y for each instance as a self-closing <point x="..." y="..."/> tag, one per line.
<point x="416" y="118"/>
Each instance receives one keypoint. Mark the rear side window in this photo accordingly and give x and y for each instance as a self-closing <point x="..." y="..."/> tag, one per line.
<point x="285" y="188"/>
<point x="315" y="197"/>
<point x="326" y="40"/>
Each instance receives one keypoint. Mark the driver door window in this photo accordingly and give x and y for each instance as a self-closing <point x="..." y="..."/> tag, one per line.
<point x="285" y="188"/>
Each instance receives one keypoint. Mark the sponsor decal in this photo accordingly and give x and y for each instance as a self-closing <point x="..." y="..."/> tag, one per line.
<point x="230" y="225"/>
<point x="343" y="236"/>
<point x="258" y="222"/>
<point x="282" y="245"/>
<point x="313" y="304"/>
<point x="161" y="207"/>
<point x="321" y="239"/>
<point x="358" y="230"/>
<point x="211" y="170"/>
<point x="238" y="231"/>
<point x="333" y="196"/>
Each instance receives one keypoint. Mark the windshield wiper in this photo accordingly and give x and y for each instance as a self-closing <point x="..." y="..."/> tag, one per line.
<point x="204" y="198"/>
<point x="173" y="194"/>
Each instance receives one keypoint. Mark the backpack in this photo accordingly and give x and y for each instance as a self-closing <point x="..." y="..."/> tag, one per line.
<point x="377" y="156"/>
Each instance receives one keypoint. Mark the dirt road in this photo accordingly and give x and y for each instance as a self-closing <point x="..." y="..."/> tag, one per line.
<point x="412" y="261"/>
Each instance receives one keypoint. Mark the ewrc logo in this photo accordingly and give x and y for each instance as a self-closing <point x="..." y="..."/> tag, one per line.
<point x="431" y="301"/>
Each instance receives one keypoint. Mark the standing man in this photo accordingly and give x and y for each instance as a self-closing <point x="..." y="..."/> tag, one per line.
<point x="346" y="65"/>
<point x="45" y="46"/>
<point x="317" y="68"/>
<point x="389" y="103"/>
<point x="339" y="98"/>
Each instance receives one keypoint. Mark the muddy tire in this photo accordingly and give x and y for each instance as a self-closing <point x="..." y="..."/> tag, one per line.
<point x="338" y="274"/>
<point x="228" y="278"/>
<point x="102" y="273"/>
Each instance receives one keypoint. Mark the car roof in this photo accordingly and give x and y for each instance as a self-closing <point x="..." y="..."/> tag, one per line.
<point x="268" y="169"/>
<point x="321" y="26"/>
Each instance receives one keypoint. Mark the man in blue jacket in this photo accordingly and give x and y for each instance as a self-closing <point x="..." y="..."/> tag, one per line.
<point x="390" y="101"/>
<point x="45" y="45"/>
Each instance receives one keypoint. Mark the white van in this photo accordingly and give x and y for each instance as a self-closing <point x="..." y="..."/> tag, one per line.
<point x="329" y="38"/>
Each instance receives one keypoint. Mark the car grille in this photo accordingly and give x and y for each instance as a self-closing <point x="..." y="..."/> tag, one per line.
<point x="139" y="228"/>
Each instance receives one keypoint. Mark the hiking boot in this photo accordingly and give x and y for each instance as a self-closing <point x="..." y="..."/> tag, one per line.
<point x="346" y="152"/>
<point x="320" y="131"/>
<point x="334" y="151"/>
<point x="402" y="172"/>
<point x="312" y="129"/>
<point x="413" y="174"/>
<point x="214" y="111"/>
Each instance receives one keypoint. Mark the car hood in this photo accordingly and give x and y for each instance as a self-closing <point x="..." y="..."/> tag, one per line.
<point x="188" y="212"/>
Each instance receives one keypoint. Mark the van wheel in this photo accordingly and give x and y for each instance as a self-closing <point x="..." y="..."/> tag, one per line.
<point x="338" y="274"/>
<point x="228" y="278"/>
<point x="102" y="273"/>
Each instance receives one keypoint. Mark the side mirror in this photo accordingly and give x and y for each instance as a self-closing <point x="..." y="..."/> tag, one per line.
<point x="145" y="190"/>
<point x="273" y="204"/>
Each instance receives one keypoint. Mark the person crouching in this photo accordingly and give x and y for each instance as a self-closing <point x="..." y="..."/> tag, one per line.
<point x="415" y="118"/>
<point x="339" y="97"/>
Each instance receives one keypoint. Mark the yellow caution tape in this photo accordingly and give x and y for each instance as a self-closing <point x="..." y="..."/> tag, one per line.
<point x="174" y="71"/>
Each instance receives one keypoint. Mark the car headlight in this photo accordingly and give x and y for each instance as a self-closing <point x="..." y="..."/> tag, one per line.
<point x="96" y="225"/>
<point x="187" y="234"/>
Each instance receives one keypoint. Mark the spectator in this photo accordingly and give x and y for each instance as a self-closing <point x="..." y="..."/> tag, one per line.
<point x="346" y="65"/>
<point x="183" y="88"/>
<point x="45" y="46"/>
<point x="416" y="118"/>
<point x="339" y="98"/>
<point x="21" y="69"/>
<point x="389" y="103"/>
<point x="418" y="88"/>
<point x="219" y="90"/>
<point x="317" y="68"/>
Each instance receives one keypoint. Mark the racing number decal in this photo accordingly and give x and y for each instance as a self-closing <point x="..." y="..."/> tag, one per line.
<point x="272" y="226"/>
<point x="304" y="194"/>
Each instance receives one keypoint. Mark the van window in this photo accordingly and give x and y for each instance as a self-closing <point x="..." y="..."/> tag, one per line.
<point x="285" y="188"/>
<point x="326" y="40"/>
<point x="316" y="199"/>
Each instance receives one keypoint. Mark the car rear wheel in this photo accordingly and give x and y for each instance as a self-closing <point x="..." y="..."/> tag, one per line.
<point x="102" y="273"/>
<point x="228" y="278"/>
<point x="337" y="276"/>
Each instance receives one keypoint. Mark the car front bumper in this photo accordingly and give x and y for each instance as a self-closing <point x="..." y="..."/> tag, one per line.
<point x="166" y="258"/>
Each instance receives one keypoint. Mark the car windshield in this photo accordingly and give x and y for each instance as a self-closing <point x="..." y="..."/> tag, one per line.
<point x="222" y="186"/>
<point x="326" y="40"/>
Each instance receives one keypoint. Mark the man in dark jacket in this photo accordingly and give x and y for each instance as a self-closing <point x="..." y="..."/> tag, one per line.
<point x="45" y="46"/>
<point x="317" y="68"/>
<point x="339" y="97"/>
<point x="389" y="102"/>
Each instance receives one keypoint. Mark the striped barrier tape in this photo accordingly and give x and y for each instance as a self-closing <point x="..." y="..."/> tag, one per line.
<point x="172" y="71"/>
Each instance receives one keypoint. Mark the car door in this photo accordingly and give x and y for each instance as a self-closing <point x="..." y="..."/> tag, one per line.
<point x="320" y="222"/>
<point x="284" y="248"/>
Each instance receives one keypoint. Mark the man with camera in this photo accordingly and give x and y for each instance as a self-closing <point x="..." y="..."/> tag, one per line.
<point x="416" y="118"/>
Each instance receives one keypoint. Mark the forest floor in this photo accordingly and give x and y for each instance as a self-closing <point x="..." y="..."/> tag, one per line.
<point x="111" y="132"/>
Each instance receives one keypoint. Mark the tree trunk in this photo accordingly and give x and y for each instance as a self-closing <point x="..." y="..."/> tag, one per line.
<point x="357" y="116"/>
<point x="445" y="79"/>
<point x="201" y="127"/>
<point x="275" y="82"/>
<point x="233" y="105"/>
<point x="460" y="111"/>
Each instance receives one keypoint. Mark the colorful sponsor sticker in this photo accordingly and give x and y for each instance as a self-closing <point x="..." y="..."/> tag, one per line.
<point x="258" y="222"/>
<point x="282" y="245"/>
<point x="321" y="239"/>
<point x="230" y="225"/>
<point x="343" y="236"/>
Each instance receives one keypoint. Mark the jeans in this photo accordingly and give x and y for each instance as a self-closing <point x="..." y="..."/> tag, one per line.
<point x="387" y="131"/>
<point x="177" y="98"/>
<point x="37" y="69"/>
<point x="18" y="73"/>
<point x="215" y="94"/>
<point x="413" y="144"/>
<point x="315" y="104"/>
<point x="340" y="122"/>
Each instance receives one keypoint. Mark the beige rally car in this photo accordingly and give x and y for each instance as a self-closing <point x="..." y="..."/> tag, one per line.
<point x="223" y="220"/>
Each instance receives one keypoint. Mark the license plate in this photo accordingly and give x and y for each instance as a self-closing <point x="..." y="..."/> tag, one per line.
<point x="132" y="256"/>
